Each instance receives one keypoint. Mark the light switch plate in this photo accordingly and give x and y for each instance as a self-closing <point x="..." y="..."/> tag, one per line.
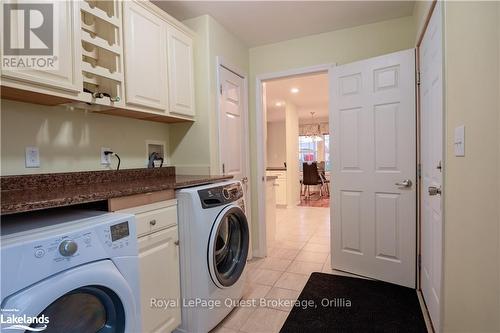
<point x="32" y="159"/>
<point x="459" y="141"/>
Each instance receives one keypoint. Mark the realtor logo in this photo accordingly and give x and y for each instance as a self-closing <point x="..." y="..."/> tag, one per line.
<point x="11" y="319"/>
<point x="28" y="36"/>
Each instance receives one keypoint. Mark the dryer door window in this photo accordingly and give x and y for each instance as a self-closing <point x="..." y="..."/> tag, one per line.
<point x="88" y="309"/>
<point x="228" y="246"/>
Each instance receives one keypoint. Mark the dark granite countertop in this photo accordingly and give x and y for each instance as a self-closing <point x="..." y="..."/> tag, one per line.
<point x="34" y="192"/>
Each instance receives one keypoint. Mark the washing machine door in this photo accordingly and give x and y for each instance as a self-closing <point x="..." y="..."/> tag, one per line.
<point x="90" y="298"/>
<point x="228" y="246"/>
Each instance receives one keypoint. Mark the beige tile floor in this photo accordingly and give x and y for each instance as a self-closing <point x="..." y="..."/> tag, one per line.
<point x="302" y="246"/>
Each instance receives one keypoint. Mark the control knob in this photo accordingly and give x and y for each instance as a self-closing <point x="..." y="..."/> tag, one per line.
<point x="67" y="248"/>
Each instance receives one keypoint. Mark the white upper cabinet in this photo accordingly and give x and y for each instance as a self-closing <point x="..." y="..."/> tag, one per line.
<point x="159" y="74"/>
<point x="145" y="49"/>
<point x="64" y="77"/>
<point x="181" y="73"/>
<point x="126" y="58"/>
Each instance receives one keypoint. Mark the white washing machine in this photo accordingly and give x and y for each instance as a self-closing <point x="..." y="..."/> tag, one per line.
<point x="214" y="241"/>
<point x="73" y="271"/>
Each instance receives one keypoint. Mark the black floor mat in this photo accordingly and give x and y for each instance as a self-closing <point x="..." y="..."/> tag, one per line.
<point x="345" y="304"/>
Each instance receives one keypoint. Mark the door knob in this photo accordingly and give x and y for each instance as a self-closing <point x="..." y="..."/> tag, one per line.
<point x="404" y="183"/>
<point x="244" y="180"/>
<point x="434" y="190"/>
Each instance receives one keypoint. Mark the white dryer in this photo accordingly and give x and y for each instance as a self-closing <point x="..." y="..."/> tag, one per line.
<point x="73" y="271"/>
<point x="214" y="242"/>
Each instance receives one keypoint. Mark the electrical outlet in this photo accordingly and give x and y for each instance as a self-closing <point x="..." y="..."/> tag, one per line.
<point x="32" y="157"/>
<point x="105" y="159"/>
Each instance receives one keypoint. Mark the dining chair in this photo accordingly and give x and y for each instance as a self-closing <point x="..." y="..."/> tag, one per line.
<point x="312" y="177"/>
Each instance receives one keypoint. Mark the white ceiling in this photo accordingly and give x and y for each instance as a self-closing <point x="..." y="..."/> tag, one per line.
<point x="263" y="22"/>
<point x="312" y="97"/>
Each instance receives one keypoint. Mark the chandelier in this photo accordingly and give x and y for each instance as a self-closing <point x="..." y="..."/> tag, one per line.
<point x="313" y="130"/>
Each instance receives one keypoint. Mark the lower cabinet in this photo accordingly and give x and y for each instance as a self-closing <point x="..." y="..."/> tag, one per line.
<point x="270" y="211"/>
<point x="159" y="279"/>
<point x="159" y="271"/>
<point x="280" y="186"/>
<point x="281" y="192"/>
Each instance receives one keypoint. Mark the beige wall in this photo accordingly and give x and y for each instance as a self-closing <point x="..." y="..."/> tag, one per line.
<point x="276" y="144"/>
<point x="71" y="140"/>
<point x="341" y="46"/>
<point x="235" y="53"/>
<point x="185" y="149"/>
<point x="471" y="226"/>
<point x="194" y="147"/>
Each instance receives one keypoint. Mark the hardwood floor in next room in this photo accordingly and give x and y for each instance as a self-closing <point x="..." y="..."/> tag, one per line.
<point x="302" y="246"/>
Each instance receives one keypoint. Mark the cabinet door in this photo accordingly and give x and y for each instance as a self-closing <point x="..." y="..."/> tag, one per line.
<point x="280" y="191"/>
<point x="159" y="279"/>
<point x="65" y="75"/>
<point x="145" y="57"/>
<point x="180" y="73"/>
<point x="270" y="211"/>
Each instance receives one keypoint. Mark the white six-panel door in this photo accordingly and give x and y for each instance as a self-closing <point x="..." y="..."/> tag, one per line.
<point x="374" y="148"/>
<point x="431" y="152"/>
<point x="232" y="130"/>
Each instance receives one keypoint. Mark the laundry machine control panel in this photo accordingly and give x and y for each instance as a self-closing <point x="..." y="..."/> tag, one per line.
<point x="220" y="195"/>
<point x="73" y="245"/>
<point x="62" y="240"/>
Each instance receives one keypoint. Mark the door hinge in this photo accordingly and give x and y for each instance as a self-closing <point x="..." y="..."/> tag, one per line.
<point x="419" y="259"/>
<point x="418" y="78"/>
<point x="220" y="89"/>
<point x="419" y="170"/>
<point x="223" y="169"/>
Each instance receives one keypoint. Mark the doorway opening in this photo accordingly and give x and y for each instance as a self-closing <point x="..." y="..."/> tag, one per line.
<point x="294" y="165"/>
<point x="298" y="171"/>
<point x="297" y="136"/>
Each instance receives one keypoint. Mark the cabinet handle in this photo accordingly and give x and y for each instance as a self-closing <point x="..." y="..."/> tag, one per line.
<point x="152" y="222"/>
<point x="176" y="242"/>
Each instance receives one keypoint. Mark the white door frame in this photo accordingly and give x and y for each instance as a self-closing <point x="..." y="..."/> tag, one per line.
<point x="221" y="62"/>
<point x="261" y="249"/>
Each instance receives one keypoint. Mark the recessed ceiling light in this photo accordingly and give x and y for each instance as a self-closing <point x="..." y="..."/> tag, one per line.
<point x="294" y="90"/>
<point x="278" y="104"/>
